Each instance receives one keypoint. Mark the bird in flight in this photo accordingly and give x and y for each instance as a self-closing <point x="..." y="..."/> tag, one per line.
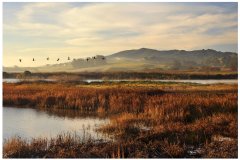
<point x="33" y="59"/>
<point x="58" y="59"/>
<point x="47" y="58"/>
<point x="20" y="60"/>
<point x="68" y="58"/>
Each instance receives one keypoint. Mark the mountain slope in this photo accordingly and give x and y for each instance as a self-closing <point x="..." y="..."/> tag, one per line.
<point x="146" y="59"/>
<point x="179" y="58"/>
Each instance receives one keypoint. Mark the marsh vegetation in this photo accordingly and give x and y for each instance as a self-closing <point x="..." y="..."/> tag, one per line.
<point x="121" y="75"/>
<point x="146" y="119"/>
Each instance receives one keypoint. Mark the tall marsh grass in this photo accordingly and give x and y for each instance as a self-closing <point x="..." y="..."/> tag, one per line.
<point x="146" y="122"/>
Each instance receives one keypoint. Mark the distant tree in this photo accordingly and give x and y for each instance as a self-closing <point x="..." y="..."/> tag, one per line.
<point x="19" y="76"/>
<point x="27" y="73"/>
<point x="6" y="75"/>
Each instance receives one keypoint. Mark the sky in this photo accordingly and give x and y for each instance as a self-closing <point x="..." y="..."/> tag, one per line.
<point x="80" y="30"/>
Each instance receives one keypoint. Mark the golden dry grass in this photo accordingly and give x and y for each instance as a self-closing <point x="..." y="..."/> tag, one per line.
<point x="146" y="121"/>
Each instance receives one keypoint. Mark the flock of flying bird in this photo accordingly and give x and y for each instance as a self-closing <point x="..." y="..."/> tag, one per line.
<point x="103" y="58"/>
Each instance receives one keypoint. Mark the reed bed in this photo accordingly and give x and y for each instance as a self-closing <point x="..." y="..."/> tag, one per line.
<point x="146" y="122"/>
<point x="94" y="99"/>
<point x="69" y="146"/>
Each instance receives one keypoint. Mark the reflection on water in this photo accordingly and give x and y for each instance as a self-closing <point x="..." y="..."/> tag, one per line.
<point x="31" y="123"/>
<point x="71" y="114"/>
<point x="14" y="80"/>
<point x="11" y="80"/>
<point x="209" y="81"/>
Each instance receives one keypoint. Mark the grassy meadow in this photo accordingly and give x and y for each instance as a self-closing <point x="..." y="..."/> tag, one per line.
<point x="147" y="119"/>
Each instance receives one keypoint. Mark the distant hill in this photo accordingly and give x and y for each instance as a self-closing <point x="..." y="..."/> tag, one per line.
<point x="145" y="59"/>
<point x="179" y="59"/>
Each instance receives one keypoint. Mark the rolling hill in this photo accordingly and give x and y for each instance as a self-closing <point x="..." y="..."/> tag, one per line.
<point x="145" y="59"/>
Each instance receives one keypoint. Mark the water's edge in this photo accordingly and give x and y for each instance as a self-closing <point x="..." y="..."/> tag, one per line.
<point x="209" y="81"/>
<point x="33" y="123"/>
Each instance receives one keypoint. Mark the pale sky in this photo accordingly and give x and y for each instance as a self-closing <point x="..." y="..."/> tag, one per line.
<point x="79" y="30"/>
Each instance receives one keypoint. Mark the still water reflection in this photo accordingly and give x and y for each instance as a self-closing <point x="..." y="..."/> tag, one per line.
<point x="31" y="123"/>
<point x="207" y="81"/>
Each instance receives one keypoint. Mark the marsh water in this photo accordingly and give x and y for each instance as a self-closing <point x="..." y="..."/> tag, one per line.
<point x="32" y="123"/>
<point x="208" y="81"/>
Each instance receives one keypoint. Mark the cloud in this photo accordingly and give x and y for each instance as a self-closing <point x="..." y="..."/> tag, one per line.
<point x="82" y="29"/>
